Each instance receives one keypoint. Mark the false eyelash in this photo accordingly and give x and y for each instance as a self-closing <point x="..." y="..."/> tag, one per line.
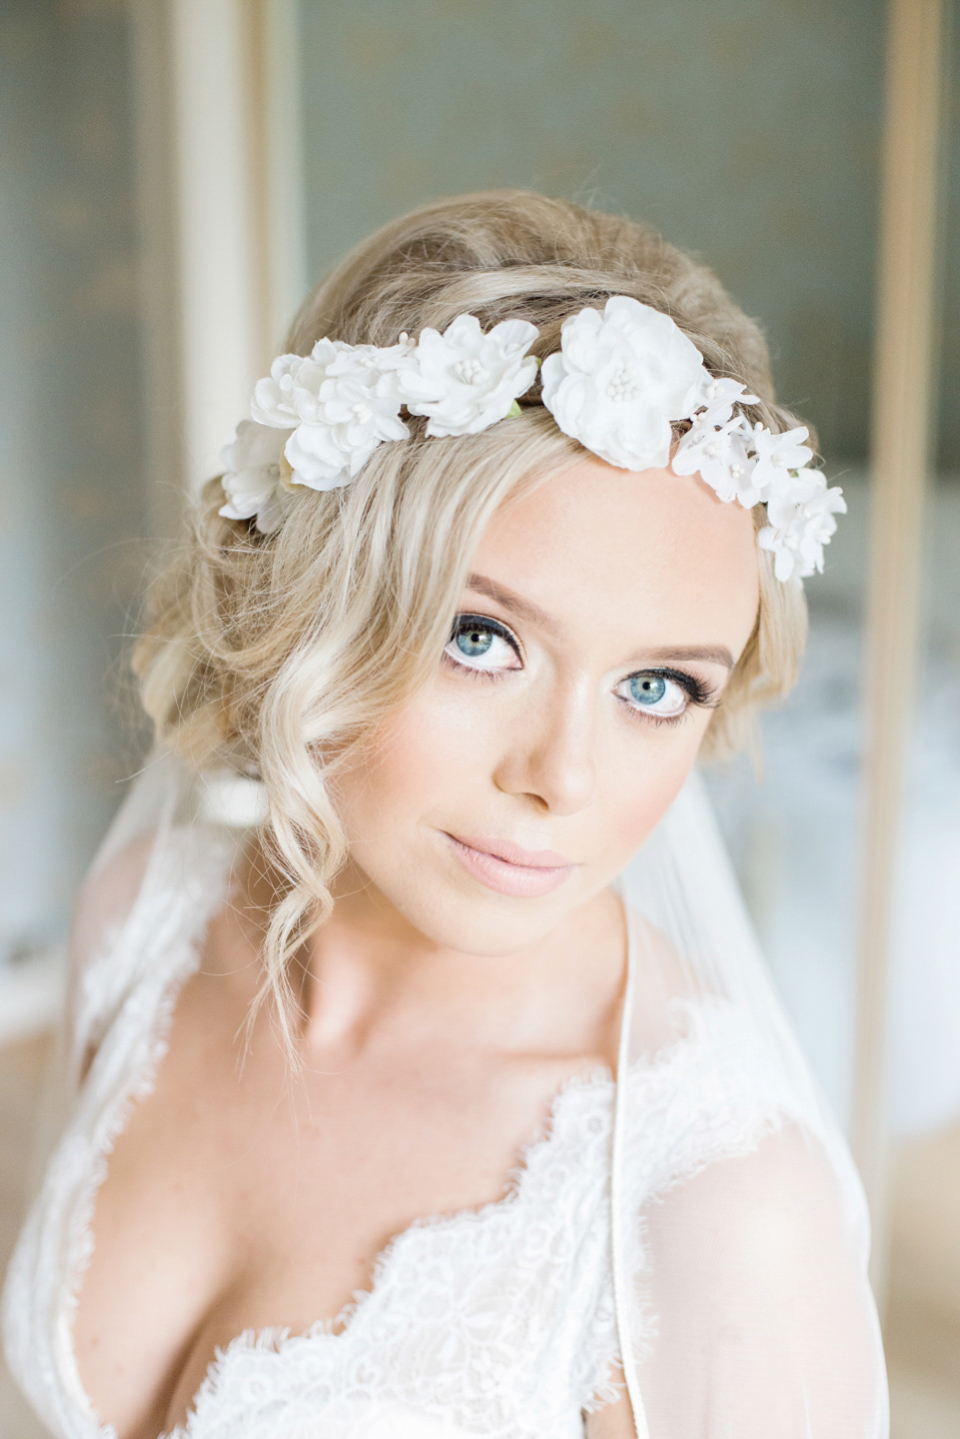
<point x="466" y="621"/>
<point x="701" y="694"/>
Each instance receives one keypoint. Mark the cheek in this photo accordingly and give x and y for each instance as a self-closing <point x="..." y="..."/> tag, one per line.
<point x="642" y="790"/>
<point x="432" y="750"/>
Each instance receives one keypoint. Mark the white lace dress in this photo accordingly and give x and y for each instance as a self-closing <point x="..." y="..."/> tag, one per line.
<point x="498" y="1322"/>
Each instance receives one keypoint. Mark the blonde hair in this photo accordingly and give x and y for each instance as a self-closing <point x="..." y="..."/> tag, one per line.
<point x="280" y="654"/>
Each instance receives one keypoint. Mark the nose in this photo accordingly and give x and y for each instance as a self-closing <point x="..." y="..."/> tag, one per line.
<point x="550" y="756"/>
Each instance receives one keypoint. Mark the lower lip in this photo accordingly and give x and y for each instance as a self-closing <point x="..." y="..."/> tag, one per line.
<point x="523" y="881"/>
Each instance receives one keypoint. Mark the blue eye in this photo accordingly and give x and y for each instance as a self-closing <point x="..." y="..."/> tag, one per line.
<point x="482" y="645"/>
<point x="647" y="689"/>
<point x="473" y="643"/>
<point x="654" y="694"/>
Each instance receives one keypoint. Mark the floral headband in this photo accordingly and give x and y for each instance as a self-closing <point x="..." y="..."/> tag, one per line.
<point x="619" y="383"/>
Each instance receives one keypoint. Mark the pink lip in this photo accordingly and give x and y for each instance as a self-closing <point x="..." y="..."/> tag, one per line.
<point x="510" y="869"/>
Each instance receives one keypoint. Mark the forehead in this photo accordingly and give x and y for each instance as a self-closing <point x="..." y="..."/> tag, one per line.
<point x="653" y="555"/>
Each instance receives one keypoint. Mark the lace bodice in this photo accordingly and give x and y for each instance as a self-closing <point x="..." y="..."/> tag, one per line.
<point x="498" y="1322"/>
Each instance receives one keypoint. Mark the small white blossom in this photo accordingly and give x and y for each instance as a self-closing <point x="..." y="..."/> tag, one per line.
<point x="820" y="525"/>
<point x="720" y="456"/>
<point x="274" y="401"/>
<point x="464" y="380"/>
<point x="793" y="490"/>
<point x="777" y="454"/>
<point x="801" y="516"/>
<point x="252" y="481"/>
<point x="621" y="379"/>
<point x="717" y="397"/>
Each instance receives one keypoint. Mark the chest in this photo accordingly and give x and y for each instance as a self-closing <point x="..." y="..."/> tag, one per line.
<point x="238" y="1200"/>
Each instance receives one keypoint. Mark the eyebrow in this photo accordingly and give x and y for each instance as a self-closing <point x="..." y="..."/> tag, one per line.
<point x="510" y="600"/>
<point x="712" y="654"/>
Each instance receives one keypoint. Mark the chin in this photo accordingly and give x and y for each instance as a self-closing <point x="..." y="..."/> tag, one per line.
<point x="488" y="925"/>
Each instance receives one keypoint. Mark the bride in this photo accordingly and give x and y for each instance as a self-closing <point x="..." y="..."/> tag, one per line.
<point x="424" y="1078"/>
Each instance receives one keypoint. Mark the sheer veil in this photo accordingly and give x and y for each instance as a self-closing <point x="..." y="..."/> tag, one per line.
<point x="740" y="1251"/>
<point x="739" y="1232"/>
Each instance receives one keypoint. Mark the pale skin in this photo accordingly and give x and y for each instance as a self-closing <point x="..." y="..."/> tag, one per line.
<point x="440" y="1014"/>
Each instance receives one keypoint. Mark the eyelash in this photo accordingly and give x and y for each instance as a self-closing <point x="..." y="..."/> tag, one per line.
<point x="700" y="694"/>
<point x="465" y="622"/>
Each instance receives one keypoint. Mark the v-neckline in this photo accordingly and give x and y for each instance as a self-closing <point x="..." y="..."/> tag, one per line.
<point x="185" y="959"/>
<point x="339" y="1331"/>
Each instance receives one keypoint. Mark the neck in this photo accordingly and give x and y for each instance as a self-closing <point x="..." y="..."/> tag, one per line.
<point x="369" y="970"/>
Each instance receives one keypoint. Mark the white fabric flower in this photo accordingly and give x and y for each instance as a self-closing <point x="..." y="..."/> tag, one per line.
<point x="820" y="525"/>
<point x="252" y="480"/>
<point x="720" y="456"/>
<point x="717" y="444"/>
<point x="464" y="380"/>
<point x="718" y="396"/>
<point x="342" y="400"/>
<point x="801" y="514"/>
<point x="777" y="454"/>
<point x="620" y="380"/>
<point x="273" y="400"/>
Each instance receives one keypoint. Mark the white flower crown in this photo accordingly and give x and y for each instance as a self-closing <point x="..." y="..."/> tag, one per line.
<point x="619" y="383"/>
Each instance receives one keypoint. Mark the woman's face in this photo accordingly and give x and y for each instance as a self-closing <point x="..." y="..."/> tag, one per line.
<point x="598" y="627"/>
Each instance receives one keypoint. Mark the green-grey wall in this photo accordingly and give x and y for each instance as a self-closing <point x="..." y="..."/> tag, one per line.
<point x="72" y="495"/>
<point x="948" y="418"/>
<point x="747" y="130"/>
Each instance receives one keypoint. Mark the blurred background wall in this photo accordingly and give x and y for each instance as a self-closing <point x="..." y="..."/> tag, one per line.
<point x="745" y="131"/>
<point x="71" y="467"/>
<point x="177" y="172"/>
